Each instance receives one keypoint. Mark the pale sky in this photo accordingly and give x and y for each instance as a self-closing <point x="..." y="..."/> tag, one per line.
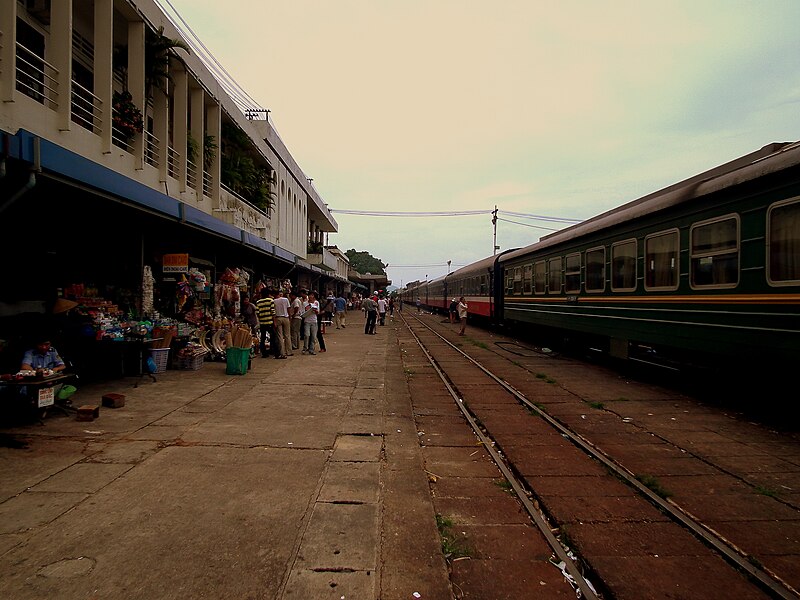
<point x="562" y="109"/>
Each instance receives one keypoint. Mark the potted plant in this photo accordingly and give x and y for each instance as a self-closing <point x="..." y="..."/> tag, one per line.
<point x="127" y="118"/>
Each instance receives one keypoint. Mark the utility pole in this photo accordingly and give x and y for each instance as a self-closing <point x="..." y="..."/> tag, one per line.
<point x="495" y="247"/>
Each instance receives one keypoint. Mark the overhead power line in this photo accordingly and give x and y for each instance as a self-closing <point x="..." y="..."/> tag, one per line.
<point x="237" y="93"/>
<point x="540" y="217"/>
<point x="527" y="224"/>
<point x="387" y="213"/>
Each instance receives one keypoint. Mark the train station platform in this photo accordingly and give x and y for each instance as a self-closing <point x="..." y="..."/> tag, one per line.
<point x="301" y="479"/>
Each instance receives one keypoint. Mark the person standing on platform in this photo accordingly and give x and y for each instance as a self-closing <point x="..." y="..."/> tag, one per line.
<point x="283" y="326"/>
<point x="382" y="310"/>
<point x="419" y="304"/>
<point x="266" y="322"/>
<point x="370" y="308"/>
<point x="462" y="314"/>
<point x="340" y="304"/>
<point x="250" y="313"/>
<point x="295" y="310"/>
<point x="321" y="326"/>
<point x="310" y="312"/>
<point x="453" y="310"/>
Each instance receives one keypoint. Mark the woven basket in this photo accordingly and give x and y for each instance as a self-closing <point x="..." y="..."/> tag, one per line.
<point x="190" y="363"/>
<point x="160" y="357"/>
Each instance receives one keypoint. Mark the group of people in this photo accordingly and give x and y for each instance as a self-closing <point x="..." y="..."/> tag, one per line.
<point x="375" y="309"/>
<point x="288" y="321"/>
<point x="458" y="313"/>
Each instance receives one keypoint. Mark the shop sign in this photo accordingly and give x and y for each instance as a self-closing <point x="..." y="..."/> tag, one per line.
<point x="47" y="397"/>
<point x="175" y="263"/>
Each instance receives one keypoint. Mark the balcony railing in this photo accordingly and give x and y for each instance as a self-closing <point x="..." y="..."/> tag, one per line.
<point x="191" y="174"/>
<point x="36" y="77"/>
<point x="173" y="162"/>
<point x="87" y="109"/>
<point x="207" y="182"/>
<point x="151" y="149"/>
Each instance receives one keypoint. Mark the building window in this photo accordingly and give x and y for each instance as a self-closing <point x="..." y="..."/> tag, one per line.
<point x="554" y="275"/>
<point x="572" y="277"/>
<point x="596" y="270"/>
<point x="714" y="249"/>
<point x="783" y="242"/>
<point x="661" y="252"/>
<point x="623" y="266"/>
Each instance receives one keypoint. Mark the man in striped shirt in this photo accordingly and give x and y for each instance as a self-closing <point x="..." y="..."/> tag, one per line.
<point x="266" y="321"/>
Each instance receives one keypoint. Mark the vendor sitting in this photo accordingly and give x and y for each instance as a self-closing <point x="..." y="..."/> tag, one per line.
<point x="43" y="356"/>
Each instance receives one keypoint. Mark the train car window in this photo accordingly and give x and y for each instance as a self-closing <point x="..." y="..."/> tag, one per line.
<point x="517" y="281"/>
<point x="783" y="242"/>
<point x="484" y="287"/>
<point x="554" y="275"/>
<point x="714" y="248"/>
<point x="661" y="251"/>
<point x="623" y="266"/>
<point x="572" y="276"/>
<point x="527" y="276"/>
<point x="509" y="282"/>
<point x="596" y="270"/>
<point x="539" y="277"/>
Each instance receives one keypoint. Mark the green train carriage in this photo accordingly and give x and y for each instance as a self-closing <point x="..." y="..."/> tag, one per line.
<point x="706" y="269"/>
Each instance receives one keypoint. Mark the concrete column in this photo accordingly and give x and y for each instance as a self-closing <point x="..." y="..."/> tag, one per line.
<point x="197" y="98"/>
<point x="214" y="129"/>
<point x="161" y="131"/>
<point x="59" y="54"/>
<point x="103" y="67"/>
<point x="180" y="122"/>
<point x="8" y="51"/>
<point x="136" y="81"/>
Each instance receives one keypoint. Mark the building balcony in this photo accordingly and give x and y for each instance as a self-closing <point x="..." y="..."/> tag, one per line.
<point x="324" y="259"/>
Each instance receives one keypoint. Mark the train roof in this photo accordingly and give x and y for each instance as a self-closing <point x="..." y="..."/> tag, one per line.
<point x="771" y="158"/>
<point x="485" y="263"/>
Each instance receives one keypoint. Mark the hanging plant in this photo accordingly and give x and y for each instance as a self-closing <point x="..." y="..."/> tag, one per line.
<point x="127" y="118"/>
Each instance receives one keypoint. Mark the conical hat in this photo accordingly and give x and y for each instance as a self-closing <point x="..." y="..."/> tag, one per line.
<point x="63" y="305"/>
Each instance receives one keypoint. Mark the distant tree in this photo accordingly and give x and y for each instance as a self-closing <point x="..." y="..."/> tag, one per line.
<point x="364" y="262"/>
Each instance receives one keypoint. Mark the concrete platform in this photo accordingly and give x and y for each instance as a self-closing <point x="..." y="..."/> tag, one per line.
<point x="301" y="479"/>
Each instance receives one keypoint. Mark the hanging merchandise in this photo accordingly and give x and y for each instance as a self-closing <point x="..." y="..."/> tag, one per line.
<point x="197" y="279"/>
<point x="184" y="291"/>
<point x="229" y="276"/>
<point x="148" y="285"/>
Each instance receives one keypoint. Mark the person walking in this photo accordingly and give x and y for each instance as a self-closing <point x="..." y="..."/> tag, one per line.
<point x="419" y="304"/>
<point x="340" y="304"/>
<point x="453" y="310"/>
<point x="295" y="310"/>
<point x="283" y="326"/>
<point x="266" y="322"/>
<point x="462" y="314"/>
<point x="370" y="308"/>
<point x="310" y="325"/>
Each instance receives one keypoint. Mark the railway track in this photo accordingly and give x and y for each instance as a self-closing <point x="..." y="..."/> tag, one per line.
<point x="714" y="559"/>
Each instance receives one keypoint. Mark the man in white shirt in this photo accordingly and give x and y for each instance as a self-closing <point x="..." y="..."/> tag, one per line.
<point x="382" y="310"/>
<point x="295" y="310"/>
<point x="310" y="312"/>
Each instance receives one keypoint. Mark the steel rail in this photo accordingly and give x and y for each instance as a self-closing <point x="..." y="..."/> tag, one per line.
<point x="544" y="527"/>
<point x="767" y="581"/>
